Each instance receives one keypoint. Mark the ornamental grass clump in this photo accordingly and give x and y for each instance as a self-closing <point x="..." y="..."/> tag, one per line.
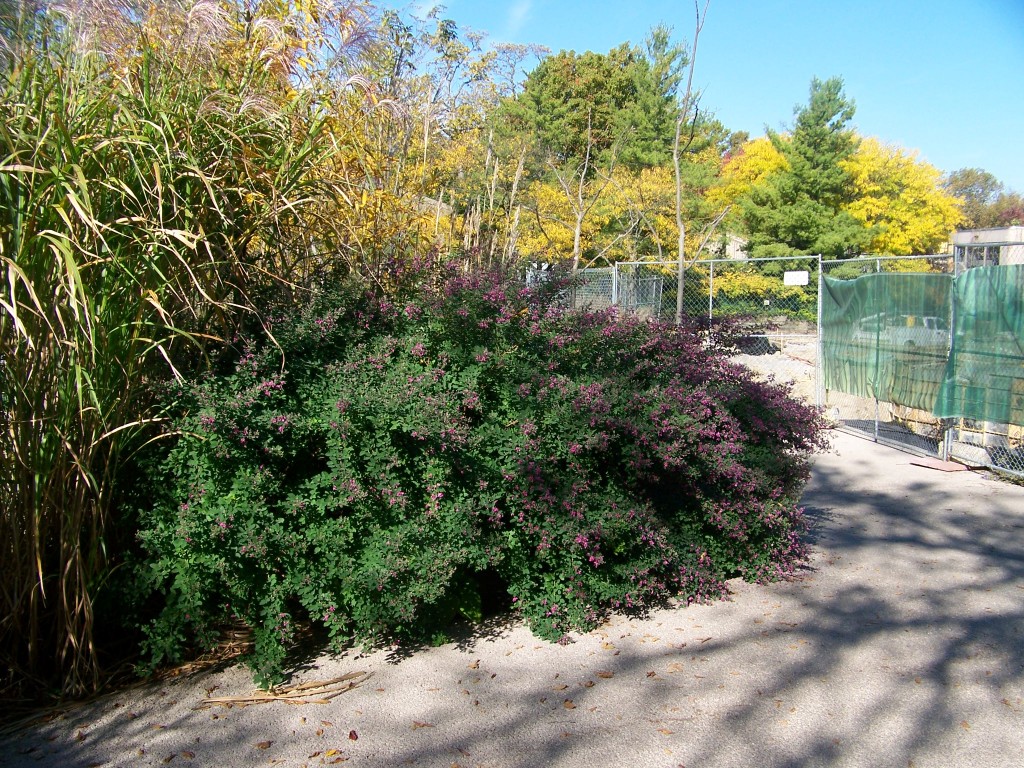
<point x="421" y="450"/>
<point x="151" y="188"/>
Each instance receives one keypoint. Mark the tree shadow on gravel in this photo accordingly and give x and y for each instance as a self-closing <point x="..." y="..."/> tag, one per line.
<point x="902" y="643"/>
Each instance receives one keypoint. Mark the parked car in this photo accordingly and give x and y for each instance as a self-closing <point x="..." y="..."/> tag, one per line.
<point x="904" y="331"/>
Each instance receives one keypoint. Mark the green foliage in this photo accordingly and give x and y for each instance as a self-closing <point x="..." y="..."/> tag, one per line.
<point x="412" y="445"/>
<point x="820" y="141"/>
<point x="622" y="104"/>
<point x="985" y="201"/>
<point x="782" y="221"/>
<point x="977" y="190"/>
<point x="571" y="102"/>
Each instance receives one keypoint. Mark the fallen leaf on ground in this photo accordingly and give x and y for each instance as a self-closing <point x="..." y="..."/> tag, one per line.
<point x="264" y="745"/>
<point x="604" y="673"/>
<point x="353" y="735"/>
<point x="568" y="704"/>
<point x="417" y="724"/>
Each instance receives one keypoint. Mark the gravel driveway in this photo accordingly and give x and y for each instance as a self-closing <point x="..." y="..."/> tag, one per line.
<point x="901" y="645"/>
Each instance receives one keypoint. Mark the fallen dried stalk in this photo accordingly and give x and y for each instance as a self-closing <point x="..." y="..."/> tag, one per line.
<point x="322" y="690"/>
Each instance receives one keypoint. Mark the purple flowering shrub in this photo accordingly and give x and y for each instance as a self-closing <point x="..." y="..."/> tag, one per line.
<point x="421" y="445"/>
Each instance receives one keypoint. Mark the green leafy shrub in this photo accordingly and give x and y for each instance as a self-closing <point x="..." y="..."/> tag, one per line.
<point x="412" y="445"/>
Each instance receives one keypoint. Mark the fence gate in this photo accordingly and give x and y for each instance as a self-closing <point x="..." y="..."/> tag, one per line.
<point x="885" y="339"/>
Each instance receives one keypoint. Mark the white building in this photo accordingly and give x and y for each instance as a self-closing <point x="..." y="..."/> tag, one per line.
<point x="983" y="247"/>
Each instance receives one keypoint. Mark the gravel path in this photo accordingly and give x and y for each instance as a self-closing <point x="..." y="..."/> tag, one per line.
<point x="901" y="645"/>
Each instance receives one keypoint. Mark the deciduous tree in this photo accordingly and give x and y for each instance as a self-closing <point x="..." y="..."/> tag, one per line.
<point x="749" y="165"/>
<point x="977" y="190"/>
<point x="901" y="198"/>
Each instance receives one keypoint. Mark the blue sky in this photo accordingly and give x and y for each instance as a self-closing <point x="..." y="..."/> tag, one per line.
<point x="943" y="77"/>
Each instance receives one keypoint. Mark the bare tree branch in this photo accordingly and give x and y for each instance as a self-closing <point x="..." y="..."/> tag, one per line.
<point x="579" y="202"/>
<point x="709" y="230"/>
<point x="688" y="101"/>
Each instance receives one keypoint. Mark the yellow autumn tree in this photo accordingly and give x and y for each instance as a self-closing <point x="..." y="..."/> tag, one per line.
<point x="902" y="197"/>
<point x="546" y="228"/>
<point x="631" y="219"/>
<point x="430" y="171"/>
<point x="647" y="202"/>
<point x="755" y="161"/>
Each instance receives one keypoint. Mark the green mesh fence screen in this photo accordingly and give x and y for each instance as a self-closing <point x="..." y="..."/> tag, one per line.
<point x="888" y="336"/>
<point x="985" y="373"/>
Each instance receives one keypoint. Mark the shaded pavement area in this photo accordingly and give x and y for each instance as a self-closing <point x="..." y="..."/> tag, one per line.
<point x="902" y="644"/>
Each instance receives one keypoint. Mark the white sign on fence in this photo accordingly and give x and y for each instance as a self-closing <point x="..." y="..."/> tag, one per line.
<point x="796" y="278"/>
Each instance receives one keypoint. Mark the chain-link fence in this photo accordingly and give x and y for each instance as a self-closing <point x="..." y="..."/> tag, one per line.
<point x="594" y="288"/>
<point x="640" y="289"/>
<point x="591" y="289"/>
<point x="773" y="301"/>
